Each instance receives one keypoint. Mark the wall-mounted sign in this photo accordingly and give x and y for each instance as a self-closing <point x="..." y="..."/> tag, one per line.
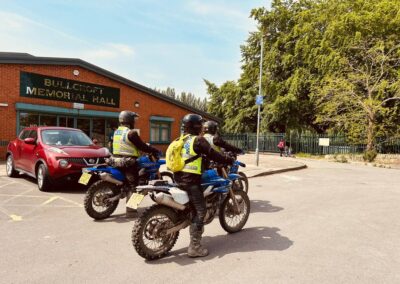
<point x="259" y="100"/>
<point x="78" y="106"/>
<point x="51" y="88"/>
<point x="323" y="142"/>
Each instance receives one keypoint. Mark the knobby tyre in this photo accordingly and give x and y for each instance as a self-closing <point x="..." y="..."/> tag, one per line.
<point x="96" y="204"/>
<point x="245" y="180"/>
<point x="148" y="237"/>
<point x="230" y="221"/>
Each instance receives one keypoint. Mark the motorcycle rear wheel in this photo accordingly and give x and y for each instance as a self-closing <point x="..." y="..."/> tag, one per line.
<point x="149" y="229"/>
<point x="231" y="221"/>
<point x="96" y="198"/>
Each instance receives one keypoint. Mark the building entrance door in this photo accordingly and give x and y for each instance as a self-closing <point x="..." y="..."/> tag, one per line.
<point x="66" y="121"/>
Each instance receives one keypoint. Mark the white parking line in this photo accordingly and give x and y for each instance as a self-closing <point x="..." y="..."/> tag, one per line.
<point x="16" y="196"/>
<point x="3" y="185"/>
<point x="51" y="199"/>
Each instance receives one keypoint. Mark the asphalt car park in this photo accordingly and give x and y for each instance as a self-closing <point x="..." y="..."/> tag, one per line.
<point x="330" y="223"/>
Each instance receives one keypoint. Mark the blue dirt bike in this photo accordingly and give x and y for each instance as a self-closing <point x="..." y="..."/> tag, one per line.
<point x="243" y="181"/>
<point x="156" y="231"/>
<point x="107" y="185"/>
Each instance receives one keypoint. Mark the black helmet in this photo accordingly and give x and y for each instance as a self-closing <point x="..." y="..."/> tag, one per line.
<point x="210" y="127"/>
<point x="127" y="117"/>
<point x="192" y="123"/>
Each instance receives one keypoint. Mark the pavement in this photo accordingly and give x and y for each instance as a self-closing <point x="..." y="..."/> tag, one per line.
<point x="268" y="164"/>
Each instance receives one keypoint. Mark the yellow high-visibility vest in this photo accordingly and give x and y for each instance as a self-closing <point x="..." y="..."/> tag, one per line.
<point x="210" y="139"/>
<point x="121" y="144"/>
<point x="187" y="152"/>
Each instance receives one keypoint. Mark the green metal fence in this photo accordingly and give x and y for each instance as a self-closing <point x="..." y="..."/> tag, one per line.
<point x="308" y="143"/>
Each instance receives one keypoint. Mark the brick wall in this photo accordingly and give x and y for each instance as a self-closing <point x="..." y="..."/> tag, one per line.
<point x="149" y="105"/>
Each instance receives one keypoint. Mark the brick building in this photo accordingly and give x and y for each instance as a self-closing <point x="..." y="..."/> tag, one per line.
<point x="74" y="93"/>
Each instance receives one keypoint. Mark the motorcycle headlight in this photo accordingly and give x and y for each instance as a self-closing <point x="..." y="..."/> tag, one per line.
<point x="63" y="163"/>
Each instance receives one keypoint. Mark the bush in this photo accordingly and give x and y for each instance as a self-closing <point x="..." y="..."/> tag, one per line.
<point x="340" y="159"/>
<point x="370" y="155"/>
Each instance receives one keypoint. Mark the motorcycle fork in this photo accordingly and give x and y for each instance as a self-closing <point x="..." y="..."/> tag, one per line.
<point x="236" y="208"/>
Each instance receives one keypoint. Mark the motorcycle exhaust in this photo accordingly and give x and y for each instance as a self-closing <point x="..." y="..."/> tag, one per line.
<point x="109" y="178"/>
<point x="165" y="199"/>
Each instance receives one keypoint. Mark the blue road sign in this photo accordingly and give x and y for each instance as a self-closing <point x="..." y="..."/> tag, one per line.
<point x="259" y="100"/>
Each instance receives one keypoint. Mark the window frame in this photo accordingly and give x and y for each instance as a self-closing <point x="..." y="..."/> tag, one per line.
<point x="160" y="125"/>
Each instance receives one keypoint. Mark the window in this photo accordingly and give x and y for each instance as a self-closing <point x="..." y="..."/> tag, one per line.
<point x="48" y="120"/>
<point x="33" y="134"/>
<point x="65" y="138"/>
<point x="28" y="120"/>
<point x="24" y="134"/>
<point x="160" y="132"/>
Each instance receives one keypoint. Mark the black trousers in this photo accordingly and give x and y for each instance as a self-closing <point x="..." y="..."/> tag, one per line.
<point x="196" y="197"/>
<point x="191" y="183"/>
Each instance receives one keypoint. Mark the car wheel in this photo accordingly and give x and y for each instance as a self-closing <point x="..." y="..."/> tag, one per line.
<point x="43" y="179"/>
<point x="11" y="172"/>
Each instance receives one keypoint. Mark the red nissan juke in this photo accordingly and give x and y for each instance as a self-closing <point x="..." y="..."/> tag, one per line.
<point x="52" y="155"/>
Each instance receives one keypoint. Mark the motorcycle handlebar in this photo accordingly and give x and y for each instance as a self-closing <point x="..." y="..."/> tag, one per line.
<point x="241" y="164"/>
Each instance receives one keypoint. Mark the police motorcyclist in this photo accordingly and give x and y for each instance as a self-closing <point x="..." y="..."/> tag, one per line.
<point x="189" y="178"/>
<point x="210" y="130"/>
<point x="126" y="145"/>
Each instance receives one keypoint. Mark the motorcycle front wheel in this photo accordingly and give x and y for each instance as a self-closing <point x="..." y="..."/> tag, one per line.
<point x="96" y="201"/>
<point x="148" y="234"/>
<point x="245" y="181"/>
<point x="230" y="220"/>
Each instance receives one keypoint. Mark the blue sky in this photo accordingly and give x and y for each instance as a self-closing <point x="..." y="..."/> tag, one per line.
<point x="159" y="44"/>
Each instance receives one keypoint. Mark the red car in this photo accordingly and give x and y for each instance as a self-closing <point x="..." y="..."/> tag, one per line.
<point x="52" y="155"/>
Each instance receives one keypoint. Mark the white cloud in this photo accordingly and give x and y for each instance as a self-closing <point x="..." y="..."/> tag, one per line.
<point x="21" y="34"/>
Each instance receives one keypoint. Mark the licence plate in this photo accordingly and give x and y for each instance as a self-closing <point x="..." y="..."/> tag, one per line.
<point x="134" y="200"/>
<point x="84" y="179"/>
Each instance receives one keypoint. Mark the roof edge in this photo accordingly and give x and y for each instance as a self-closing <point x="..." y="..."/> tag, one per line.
<point x="25" y="58"/>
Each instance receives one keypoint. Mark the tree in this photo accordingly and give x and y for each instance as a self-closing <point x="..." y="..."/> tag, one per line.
<point x="186" y="98"/>
<point x="329" y="65"/>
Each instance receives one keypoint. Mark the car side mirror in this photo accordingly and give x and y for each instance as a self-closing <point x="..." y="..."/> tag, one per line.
<point x="95" y="142"/>
<point x="30" y="141"/>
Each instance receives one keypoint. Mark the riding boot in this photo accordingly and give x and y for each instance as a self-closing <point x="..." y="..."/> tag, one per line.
<point x="195" y="249"/>
<point x="130" y="212"/>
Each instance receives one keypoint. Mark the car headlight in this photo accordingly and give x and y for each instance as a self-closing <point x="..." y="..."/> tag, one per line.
<point x="63" y="163"/>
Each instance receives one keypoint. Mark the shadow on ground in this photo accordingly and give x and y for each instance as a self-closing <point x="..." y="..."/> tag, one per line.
<point x="118" y="218"/>
<point x="67" y="187"/>
<point x="247" y="240"/>
<point x="263" y="206"/>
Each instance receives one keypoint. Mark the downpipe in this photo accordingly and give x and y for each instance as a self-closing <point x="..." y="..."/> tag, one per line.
<point x="167" y="200"/>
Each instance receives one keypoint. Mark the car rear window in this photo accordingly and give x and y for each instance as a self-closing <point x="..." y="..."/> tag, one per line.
<point x="56" y="137"/>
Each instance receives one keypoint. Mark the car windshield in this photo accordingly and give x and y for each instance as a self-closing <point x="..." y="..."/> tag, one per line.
<point x="65" y="138"/>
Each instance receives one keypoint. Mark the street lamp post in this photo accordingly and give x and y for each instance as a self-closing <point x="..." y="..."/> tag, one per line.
<point x="259" y="102"/>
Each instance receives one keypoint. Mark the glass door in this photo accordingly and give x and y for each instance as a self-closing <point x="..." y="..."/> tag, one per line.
<point x="99" y="131"/>
<point x="66" y="121"/>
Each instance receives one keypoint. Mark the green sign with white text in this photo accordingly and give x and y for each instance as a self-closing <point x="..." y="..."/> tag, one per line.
<point x="52" y="88"/>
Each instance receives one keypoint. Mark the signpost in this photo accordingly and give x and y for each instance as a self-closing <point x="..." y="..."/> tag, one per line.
<point x="259" y="101"/>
